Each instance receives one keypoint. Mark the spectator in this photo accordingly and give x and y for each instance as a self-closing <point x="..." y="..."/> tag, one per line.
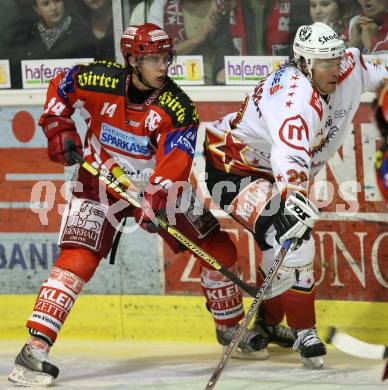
<point x="198" y="27"/>
<point x="368" y="31"/>
<point x="54" y="34"/>
<point x="9" y="17"/>
<point x="335" y="13"/>
<point x="273" y="24"/>
<point x="99" y="19"/>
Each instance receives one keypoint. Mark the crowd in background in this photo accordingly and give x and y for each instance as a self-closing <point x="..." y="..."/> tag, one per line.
<point x="35" y="29"/>
<point x="52" y="29"/>
<point x="214" y="28"/>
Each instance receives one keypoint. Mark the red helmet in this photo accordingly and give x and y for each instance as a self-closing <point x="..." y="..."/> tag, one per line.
<point x="147" y="38"/>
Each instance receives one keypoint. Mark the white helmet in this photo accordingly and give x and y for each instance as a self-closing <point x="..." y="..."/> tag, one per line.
<point x="317" y="40"/>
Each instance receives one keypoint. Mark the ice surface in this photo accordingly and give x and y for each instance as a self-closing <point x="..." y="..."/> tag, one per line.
<point x="136" y="365"/>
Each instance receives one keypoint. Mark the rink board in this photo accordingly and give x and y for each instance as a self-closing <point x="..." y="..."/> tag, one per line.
<point x="179" y="318"/>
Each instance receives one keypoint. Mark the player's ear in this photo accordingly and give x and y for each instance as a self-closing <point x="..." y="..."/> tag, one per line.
<point x="303" y="65"/>
<point x="133" y="61"/>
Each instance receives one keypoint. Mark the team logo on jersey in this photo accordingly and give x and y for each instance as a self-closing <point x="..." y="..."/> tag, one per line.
<point x="305" y="33"/>
<point x="295" y="133"/>
<point x="152" y="121"/>
<point x="125" y="142"/>
<point x="184" y="140"/>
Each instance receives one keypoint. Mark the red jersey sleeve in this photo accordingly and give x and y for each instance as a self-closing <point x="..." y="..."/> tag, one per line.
<point x="177" y="138"/>
<point x="61" y="95"/>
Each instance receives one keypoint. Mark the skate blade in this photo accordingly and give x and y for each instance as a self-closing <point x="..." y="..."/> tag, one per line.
<point x="249" y="355"/>
<point x="24" y="377"/>
<point x="314" y="363"/>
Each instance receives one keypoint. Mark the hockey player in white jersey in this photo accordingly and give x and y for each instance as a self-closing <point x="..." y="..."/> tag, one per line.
<point x="260" y="162"/>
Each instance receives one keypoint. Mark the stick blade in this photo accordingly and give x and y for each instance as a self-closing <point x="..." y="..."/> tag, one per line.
<point x="355" y="347"/>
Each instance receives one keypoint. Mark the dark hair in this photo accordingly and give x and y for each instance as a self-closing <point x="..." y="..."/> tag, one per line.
<point x="27" y="8"/>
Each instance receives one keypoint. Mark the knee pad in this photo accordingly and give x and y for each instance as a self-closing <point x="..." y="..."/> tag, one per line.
<point x="80" y="262"/>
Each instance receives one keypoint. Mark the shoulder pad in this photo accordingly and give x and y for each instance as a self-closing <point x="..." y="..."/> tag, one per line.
<point x="177" y="105"/>
<point x="102" y="76"/>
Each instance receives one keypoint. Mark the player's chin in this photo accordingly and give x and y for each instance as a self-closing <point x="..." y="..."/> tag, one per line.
<point x="330" y="87"/>
<point x="158" y="82"/>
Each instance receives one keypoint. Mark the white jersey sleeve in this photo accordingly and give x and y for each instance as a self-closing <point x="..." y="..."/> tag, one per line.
<point x="293" y="116"/>
<point x="372" y="72"/>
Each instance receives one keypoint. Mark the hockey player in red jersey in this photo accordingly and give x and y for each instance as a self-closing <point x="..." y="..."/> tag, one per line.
<point x="141" y="123"/>
<point x="261" y="159"/>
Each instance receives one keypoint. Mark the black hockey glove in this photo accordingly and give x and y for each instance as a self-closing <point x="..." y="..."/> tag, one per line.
<point x="295" y="219"/>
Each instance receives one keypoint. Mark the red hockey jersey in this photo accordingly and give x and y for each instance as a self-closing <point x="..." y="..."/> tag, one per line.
<point x="153" y="141"/>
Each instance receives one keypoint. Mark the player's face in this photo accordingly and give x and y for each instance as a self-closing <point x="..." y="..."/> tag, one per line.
<point x="154" y="68"/>
<point x="326" y="74"/>
<point x="325" y="11"/>
<point x="51" y="11"/>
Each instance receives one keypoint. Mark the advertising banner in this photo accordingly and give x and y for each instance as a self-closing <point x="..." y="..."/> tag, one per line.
<point x="187" y="70"/>
<point x="248" y="70"/>
<point x="38" y="73"/>
<point x="5" y="79"/>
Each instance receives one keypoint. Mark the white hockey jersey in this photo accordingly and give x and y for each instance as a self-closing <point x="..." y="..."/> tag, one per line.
<point x="285" y="131"/>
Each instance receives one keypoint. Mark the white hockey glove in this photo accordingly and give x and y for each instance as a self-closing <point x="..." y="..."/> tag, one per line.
<point x="295" y="219"/>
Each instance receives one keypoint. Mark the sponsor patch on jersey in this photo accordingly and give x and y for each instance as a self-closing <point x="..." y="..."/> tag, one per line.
<point x="347" y="66"/>
<point x="100" y="79"/>
<point x="184" y="140"/>
<point x="275" y="85"/>
<point x="66" y="85"/>
<point x="316" y="104"/>
<point x="84" y="223"/>
<point x="132" y="123"/>
<point x="295" y="133"/>
<point x="127" y="143"/>
<point x="179" y="107"/>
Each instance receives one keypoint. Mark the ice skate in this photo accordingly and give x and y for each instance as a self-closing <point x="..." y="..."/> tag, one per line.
<point x="276" y="334"/>
<point x="251" y="346"/>
<point x="310" y="347"/>
<point x="32" y="367"/>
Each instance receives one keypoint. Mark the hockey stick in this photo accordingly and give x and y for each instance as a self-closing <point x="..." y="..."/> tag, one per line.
<point x="355" y="347"/>
<point x="358" y="348"/>
<point x="248" y="317"/>
<point x="162" y="222"/>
